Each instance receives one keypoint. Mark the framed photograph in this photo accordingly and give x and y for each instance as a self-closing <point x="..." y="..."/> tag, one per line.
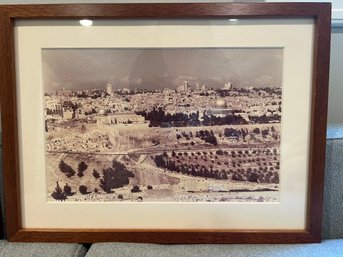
<point x="164" y="123"/>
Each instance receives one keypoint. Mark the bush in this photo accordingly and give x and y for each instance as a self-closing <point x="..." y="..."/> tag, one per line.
<point x="83" y="190"/>
<point x="67" y="190"/>
<point x="96" y="174"/>
<point x="135" y="189"/>
<point x="219" y="152"/>
<point x="149" y="187"/>
<point x="120" y="197"/>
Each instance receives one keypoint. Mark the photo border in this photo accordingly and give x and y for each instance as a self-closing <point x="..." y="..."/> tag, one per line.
<point x="321" y="15"/>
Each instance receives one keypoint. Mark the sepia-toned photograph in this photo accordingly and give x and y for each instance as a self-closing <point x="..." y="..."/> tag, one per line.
<point x="163" y="124"/>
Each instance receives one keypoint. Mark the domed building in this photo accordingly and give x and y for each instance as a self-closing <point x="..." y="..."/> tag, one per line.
<point x="220" y="109"/>
<point x="102" y="112"/>
<point x="221" y="104"/>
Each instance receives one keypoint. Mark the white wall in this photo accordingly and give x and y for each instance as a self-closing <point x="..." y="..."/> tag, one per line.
<point x="335" y="114"/>
<point x="337" y="6"/>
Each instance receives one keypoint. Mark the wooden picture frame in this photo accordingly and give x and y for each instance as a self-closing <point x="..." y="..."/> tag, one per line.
<point x="319" y="13"/>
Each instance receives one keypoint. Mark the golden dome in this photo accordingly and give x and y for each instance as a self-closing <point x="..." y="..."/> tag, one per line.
<point x="220" y="103"/>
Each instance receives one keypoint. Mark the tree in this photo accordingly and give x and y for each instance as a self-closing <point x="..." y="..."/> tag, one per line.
<point x="223" y="175"/>
<point x="96" y="174"/>
<point x="211" y="140"/>
<point x="115" y="177"/>
<point x="265" y="132"/>
<point x="253" y="177"/>
<point x="66" y="169"/>
<point x="230" y="132"/>
<point x="159" y="161"/>
<point x="81" y="168"/>
<point x="58" y="194"/>
<point x="67" y="190"/>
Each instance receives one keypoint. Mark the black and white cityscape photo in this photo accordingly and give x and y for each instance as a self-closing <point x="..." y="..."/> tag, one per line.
<point x="163" y="124"/>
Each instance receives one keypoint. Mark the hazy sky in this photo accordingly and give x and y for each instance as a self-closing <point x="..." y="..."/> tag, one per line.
<point x="79" y="69"/>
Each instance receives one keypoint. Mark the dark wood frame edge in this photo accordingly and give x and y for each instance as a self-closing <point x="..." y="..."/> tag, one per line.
<point x="320" y="12"/>
<point x="163" y="236"/>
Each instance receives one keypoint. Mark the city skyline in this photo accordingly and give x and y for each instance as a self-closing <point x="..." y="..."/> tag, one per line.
<point x="82" y="69"/>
